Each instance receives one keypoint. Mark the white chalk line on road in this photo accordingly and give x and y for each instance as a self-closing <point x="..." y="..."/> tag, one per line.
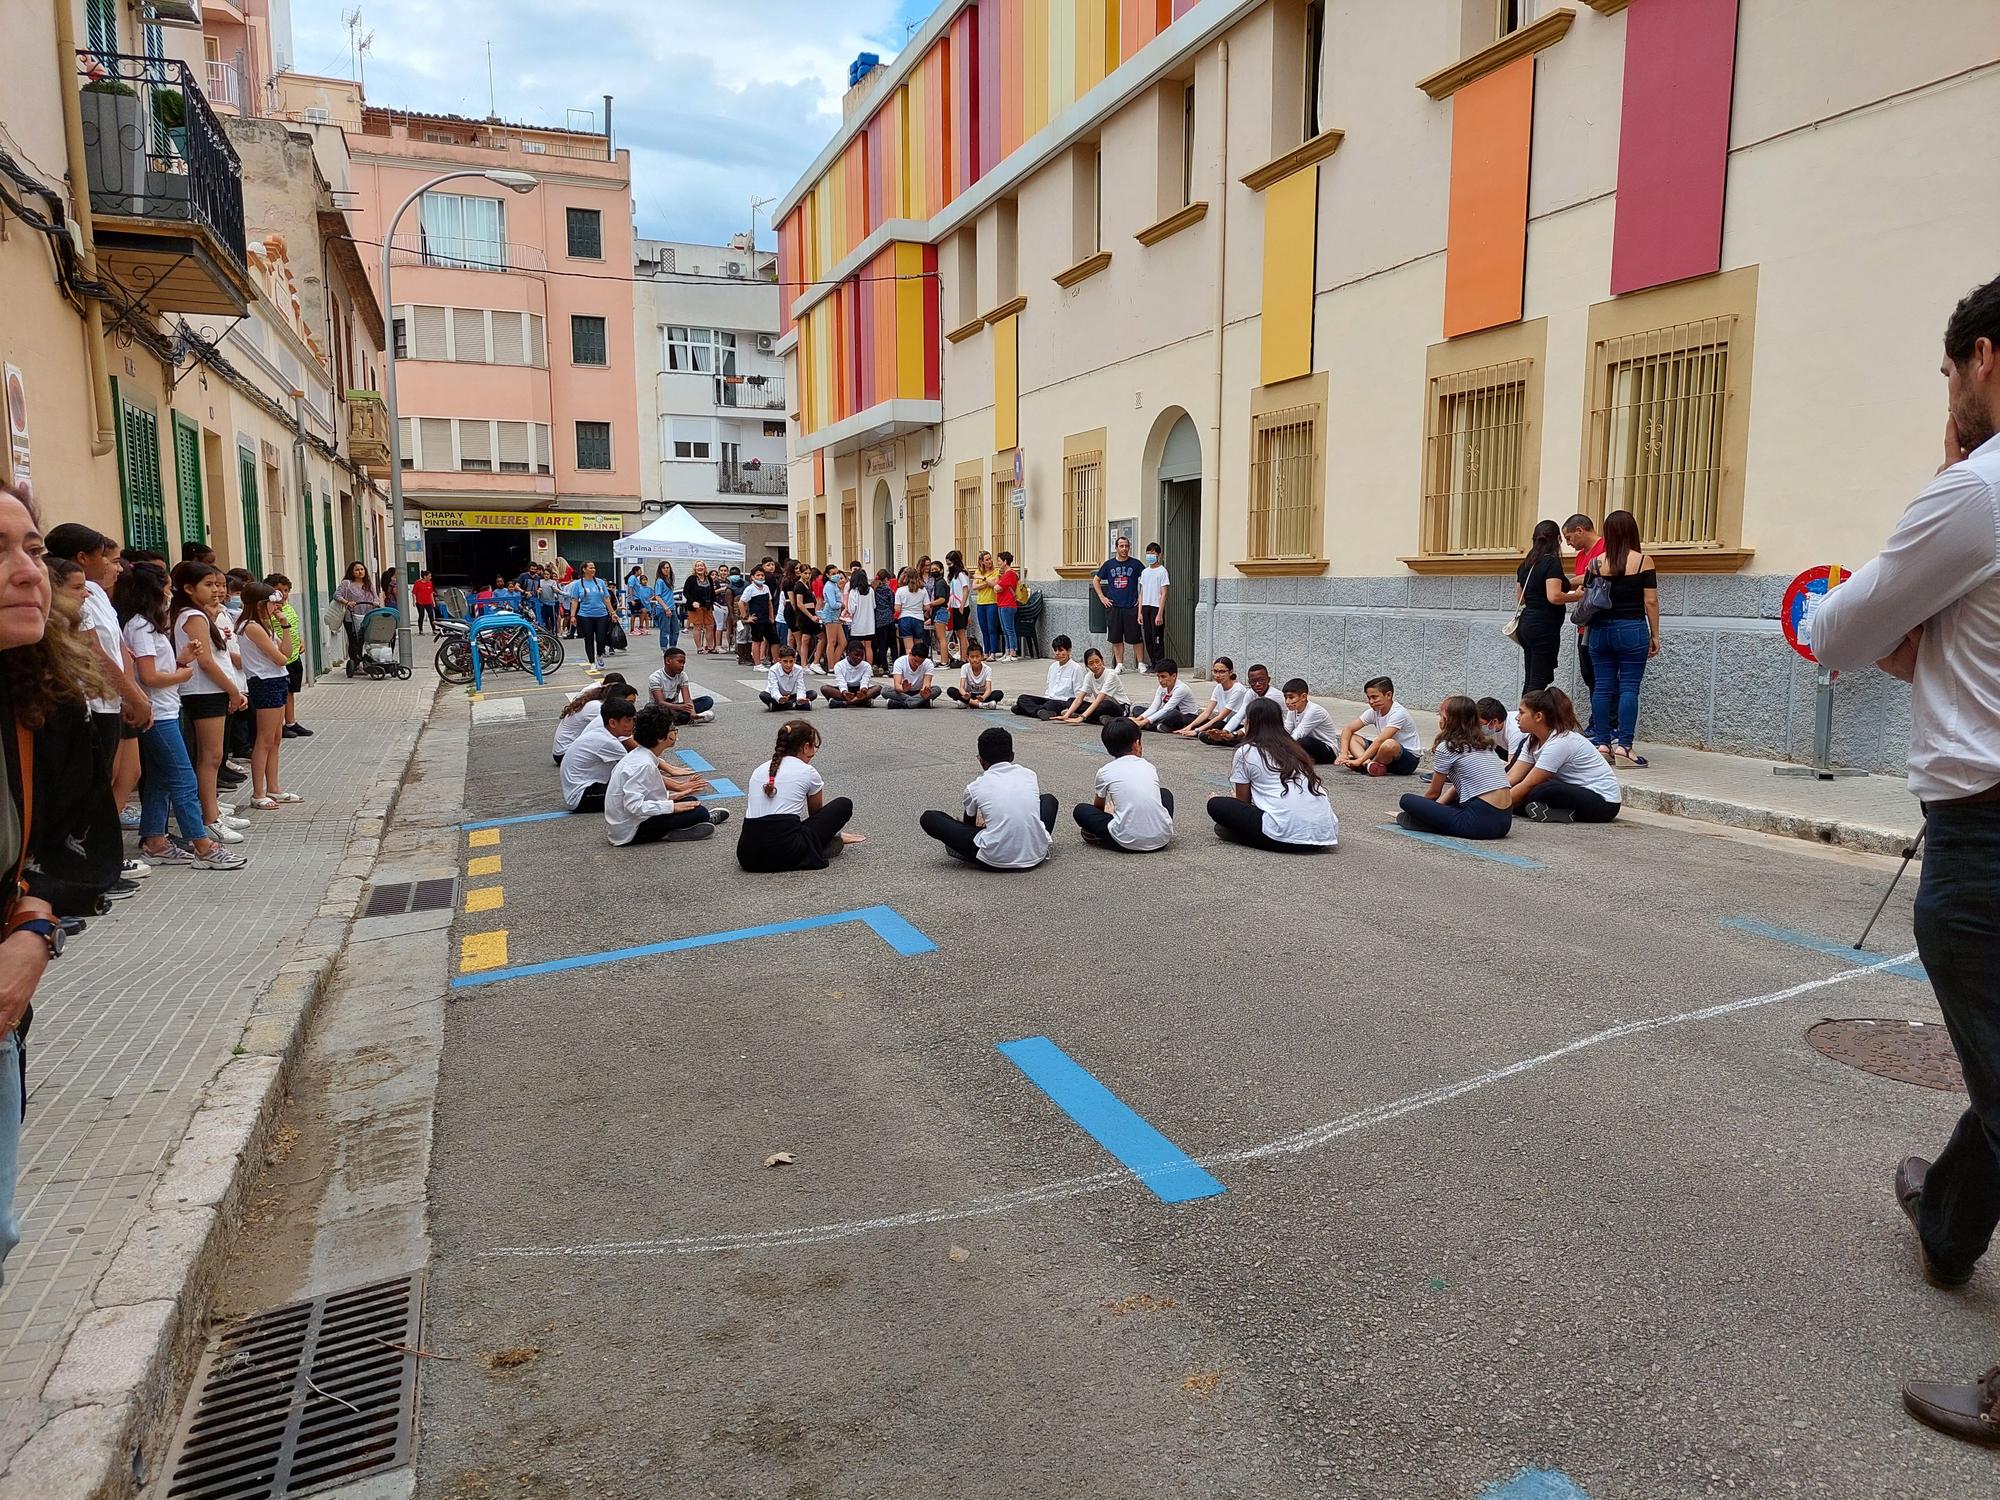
<point x="1097" y="1182"/>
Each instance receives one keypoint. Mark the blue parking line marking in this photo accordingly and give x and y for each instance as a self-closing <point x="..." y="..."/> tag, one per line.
<point x="1534" y="1484"/>
<point x="1211" y="779"/>
<point x="547" y="817"/>
<point x="1825" y="946"/>
<point x="724" y="789"/>
<point x="1465" y="846"/>
<point x="1156" y="1161"/>
<point x="889" y="925"/>
<point x="692" y="761"/>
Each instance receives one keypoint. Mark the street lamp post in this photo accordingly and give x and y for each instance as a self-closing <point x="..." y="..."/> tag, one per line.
<point x="520" y="182"/>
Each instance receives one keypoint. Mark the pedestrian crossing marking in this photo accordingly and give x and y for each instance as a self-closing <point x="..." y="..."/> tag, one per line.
<point x="482" y="950"/>
<point x="482" y="838"/>
<point x="485" y="898"/>
<point x="484" y="864"/>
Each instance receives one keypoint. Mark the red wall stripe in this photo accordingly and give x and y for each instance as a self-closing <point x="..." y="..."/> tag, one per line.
<point x="1673" y="141"/>
<point x="931" y="387"/>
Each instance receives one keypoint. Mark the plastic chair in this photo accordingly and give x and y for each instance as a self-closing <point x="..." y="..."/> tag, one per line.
<point x="1028" y="623"/>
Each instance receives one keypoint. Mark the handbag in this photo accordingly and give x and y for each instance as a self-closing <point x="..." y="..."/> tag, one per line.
<point x="1596" y="599"/>
<point x="614" y="637"/>
<point x="1512" y="629"/>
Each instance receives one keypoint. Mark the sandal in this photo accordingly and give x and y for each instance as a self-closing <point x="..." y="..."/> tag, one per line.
<point x="1626" y="760"/>
<point x="288" y="796"/>
<point x="265" y="804"/>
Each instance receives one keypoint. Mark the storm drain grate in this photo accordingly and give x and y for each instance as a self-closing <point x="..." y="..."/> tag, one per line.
<point x="302" y="1396"/>
<point x="405" y="896"/>
<point x="1918" y="1052"/>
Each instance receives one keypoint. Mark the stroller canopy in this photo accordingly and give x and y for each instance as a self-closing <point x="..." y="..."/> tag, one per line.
<point x="678" y="536"/>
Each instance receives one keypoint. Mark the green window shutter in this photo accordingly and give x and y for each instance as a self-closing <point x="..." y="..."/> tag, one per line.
<point x="253" y="534"/>
<point x="145" y="505"/>
<point x="187" y="480"/>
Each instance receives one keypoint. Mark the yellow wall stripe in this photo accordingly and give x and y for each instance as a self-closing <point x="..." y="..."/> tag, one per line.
<point x="1006" y="383"/>
<point x="1291" y="226"/>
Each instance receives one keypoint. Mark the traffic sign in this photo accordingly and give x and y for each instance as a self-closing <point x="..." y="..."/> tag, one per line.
<point x="1803" y="597"/>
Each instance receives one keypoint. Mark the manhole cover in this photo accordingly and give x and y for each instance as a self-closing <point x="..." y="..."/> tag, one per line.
<point x="406" y="896"/>
<point x="301" y="1397"/>
<point x="1916" y="1052"/>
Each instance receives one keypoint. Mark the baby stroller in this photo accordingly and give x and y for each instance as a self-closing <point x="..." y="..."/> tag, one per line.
<point x="378" y="644"/>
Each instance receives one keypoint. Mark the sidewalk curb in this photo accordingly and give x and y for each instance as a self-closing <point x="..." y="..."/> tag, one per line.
<point x="106" y="1410"/>
<point x="1861" y="837"/>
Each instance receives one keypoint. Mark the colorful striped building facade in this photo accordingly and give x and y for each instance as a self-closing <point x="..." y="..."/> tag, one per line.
<point x="1337" y="299"/>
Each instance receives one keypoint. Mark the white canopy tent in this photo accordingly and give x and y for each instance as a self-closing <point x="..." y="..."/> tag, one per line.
<point x="679" y="537"/>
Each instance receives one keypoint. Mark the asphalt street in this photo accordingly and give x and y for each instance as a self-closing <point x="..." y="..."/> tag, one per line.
<point x="1476" y="1221"/>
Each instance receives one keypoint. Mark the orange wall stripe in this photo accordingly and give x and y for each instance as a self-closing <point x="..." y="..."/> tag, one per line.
<point x="1486" y="249"/>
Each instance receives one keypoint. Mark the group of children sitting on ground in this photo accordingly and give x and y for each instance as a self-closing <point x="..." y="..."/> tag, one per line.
<point x="1487" y="764"/>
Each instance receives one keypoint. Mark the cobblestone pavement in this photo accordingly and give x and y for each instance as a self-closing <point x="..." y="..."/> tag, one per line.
<point x="149" y="1002"/>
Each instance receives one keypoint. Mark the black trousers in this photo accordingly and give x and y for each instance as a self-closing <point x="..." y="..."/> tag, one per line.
<point x="1323" y="753"/>
<point x="1032" y="705"/>
<point x="351" y="627"/>
<point x="592" y="629"/>
<point x="1589" y="676"/>
<point x="1168" y="723"/>
<point x="592" y="799"/>
<point x="993" y="698"/>
<point x="1586" y="804"/>
<point x="783" y="842"/>
<point x="1244" y="823"/>
<point x="1153" y="630"/>
<point x="660" y="825"/>
<point x="1096" y="823"/>
<point x="960" y="837"/>
<point x="801" y="704"/>
<point x="1540" y="650"/>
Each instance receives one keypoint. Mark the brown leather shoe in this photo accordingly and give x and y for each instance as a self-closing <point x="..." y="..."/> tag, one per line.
<point x="1910" y="1174"/>
<point x="1970" y="1412"/>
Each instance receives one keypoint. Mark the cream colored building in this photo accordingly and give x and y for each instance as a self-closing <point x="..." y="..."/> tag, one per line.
<point x="1338" y="299"/>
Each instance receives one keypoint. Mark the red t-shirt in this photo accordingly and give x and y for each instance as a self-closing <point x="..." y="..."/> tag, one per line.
<point x="423" y="591"/>
<point x="1004" y="587"/>
<point x="1588" y="556"/>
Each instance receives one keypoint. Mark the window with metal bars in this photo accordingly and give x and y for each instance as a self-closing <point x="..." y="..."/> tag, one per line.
<point x="1083" y="509"/>
<point x="919" y="518"/>
<point x="1476" y="438"/>
<point x="1006" y="520"/>
<point x="1284" y="489"/>
<point x="1657" y="430"/>
<point x="850" y="527"/>
<point x="965" y="520"/>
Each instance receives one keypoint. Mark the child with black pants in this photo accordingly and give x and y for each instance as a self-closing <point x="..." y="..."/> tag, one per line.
<point x="641" y="805"/>
<point x="1279" y="803"/>
<point x="788" y="824"/>
<point x="1008" y="818"/>
<point x="1130" y="810"/>
<point x="785" y="689"/>
<point x="975" y="681"/>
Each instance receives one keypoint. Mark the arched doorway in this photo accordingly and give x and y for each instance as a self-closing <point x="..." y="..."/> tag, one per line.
<point x="1178" y="475"/>
<point x="885" y="522"/>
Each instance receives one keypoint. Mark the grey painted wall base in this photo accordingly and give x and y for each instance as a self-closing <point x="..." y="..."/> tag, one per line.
<point x="1724" y="679"/>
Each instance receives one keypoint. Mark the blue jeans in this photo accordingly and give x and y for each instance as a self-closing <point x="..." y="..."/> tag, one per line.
<point x="1461" y="820"/>
<point x="1007" y="628"/>
<point x="989" y="626"/>
<point x="1958" y="937"/>
<point x="1618" y="656"/>
<point x="10" y="1143"/>
<point x="167" y="780"/>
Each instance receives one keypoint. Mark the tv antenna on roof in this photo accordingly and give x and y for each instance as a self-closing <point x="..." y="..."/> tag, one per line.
<point x="359" y="43"/>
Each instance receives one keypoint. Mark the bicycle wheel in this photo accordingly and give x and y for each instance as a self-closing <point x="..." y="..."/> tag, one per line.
<point x="551" y="648"/>
<point x="454" y="660"/>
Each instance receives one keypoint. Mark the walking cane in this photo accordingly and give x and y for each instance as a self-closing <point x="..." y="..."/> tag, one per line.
<point x="1909" y="853"/>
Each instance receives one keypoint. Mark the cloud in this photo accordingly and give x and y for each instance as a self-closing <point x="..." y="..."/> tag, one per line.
<point x="718" y="100"/>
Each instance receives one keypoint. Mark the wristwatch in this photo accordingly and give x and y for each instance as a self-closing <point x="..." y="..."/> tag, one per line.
<point x="49" y="932"/>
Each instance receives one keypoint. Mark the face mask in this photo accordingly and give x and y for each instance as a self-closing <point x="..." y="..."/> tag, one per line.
<point x="1152" y="559"/>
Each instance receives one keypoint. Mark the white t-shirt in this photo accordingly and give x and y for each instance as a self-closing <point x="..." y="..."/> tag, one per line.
<point x="975" y="687"/>
<point x="1106" y="681"/>
<point x="961" y="589"/>
<point x="1009" y="797"/>
<point x="1232" y="700"/>
<point x="634" y="794"/>
<point x="782" y="684"/>
<point x="102" y="621"/>
<point x="1473" y="772"/>
<point x="569" y="726"/>
<point x="1178" y="701"/>
<point x="669" y="684"/>
<point x="1311" y="722"/>
<point x="1153" y="586"/>
<point x="861" y="611"/>
<point x="1065" y="680"/>
<point x="910" y="604"/>
<point x="1398" y="719"/>
<point x="197" y="621"/>
<point x="1571" y="759"/>
<point x="157" y="647"/>
<point x="796" y="782"/>
<point x="1235" y="720"/>
<point x="591" y="760"/>
<point x="1139" y="819"/>
<point x="1510" y="734"/>
<point x="852" y="676"/>
<point x="256" y="661"/>
<point x="1293" y="814"/>
<point x="910" y="676"/>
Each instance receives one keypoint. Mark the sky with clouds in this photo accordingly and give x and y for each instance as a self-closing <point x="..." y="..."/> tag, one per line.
<point x="718" y="100"/>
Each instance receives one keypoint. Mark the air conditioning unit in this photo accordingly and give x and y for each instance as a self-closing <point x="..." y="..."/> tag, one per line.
<point x="766" y="342"/>
<point x="735" y="270"/>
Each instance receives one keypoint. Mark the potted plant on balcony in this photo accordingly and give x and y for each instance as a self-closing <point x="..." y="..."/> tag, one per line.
<point x="170" y="113"/>
<point x="114" y="144"/>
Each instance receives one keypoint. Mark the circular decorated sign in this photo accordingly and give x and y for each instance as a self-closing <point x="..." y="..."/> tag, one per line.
<point x="1803" y="598"/>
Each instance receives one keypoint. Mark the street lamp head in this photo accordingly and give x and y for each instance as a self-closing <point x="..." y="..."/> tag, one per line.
<point x="520" y="182"/>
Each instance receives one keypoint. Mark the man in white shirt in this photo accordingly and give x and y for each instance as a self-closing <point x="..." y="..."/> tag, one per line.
<point x="853" y="682"/>
<point x="1230" y="731"/>
<point x="910" y="678"/>
<point x="1008" y="817"/>
<point x="1172" y="706"/>
<point x="1129" y="809"/>
<point x="671" y="689"/>
<point x="1927" y="610"/>
<point x="1065" y="681"/>
<point x="595" y="754"/>
<point x="785" y="689"/>
<point x="1153" y="584"/>
<point x="639" y="806"/>
<point x="1309" y="724"/>
<point x="1385" y="740"/>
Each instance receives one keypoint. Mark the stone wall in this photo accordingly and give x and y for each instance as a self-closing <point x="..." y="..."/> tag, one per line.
<point x="1724" y="680"/>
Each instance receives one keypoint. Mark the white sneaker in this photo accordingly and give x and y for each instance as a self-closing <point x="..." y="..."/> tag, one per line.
<point x="1118" y="669"/>
<point x="135" y="869"/>
<point x="226" y="809"/>
<point x="222" y="833"/>
<point x="230" y="820"/>
<point x="707" y="716"/>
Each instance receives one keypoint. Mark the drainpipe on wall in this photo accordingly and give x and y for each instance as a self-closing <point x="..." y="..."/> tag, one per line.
<point x="106" y="437"/>
<point x="610" y="151"/>
<point x="1211" y="540"/>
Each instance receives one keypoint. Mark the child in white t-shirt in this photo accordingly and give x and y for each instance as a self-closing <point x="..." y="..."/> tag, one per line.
<point x="1008" y="817"/>
<point x="785" y="689"/>
<point x="1385" y="740"/>
<point x="788" y="821"/>
<point x="1309" y="724"/>
<point x="1468" y="797"/>
<point x="1065" y="679"/>
<point x="975" y="681"/>
<point x="1130" y="810"/>
<point x="1503" y="728"/>
<point x="1101" y="697"/>
<point x="1225" y="696"/>
<point x="910" y="684"/>
<point x="1153" y="584"/>
<point x="1172" y="706"/>
<point x="1559" y="776"/>
<point x="852" y="684"/>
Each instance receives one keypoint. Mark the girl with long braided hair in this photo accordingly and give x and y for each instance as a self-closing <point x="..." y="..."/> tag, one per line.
<point x="789" y="824"/>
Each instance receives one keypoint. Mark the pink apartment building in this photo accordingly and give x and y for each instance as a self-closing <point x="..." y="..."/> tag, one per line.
<point x="512" y="316"/>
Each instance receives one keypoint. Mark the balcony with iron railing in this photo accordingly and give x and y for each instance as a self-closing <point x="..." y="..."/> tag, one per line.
<point x="749" y="476"/>
<point x="750" y="392"/>
<point x="225" y="85"/>
<point x="460" y="253"/>
<point x="166" y="186"/>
